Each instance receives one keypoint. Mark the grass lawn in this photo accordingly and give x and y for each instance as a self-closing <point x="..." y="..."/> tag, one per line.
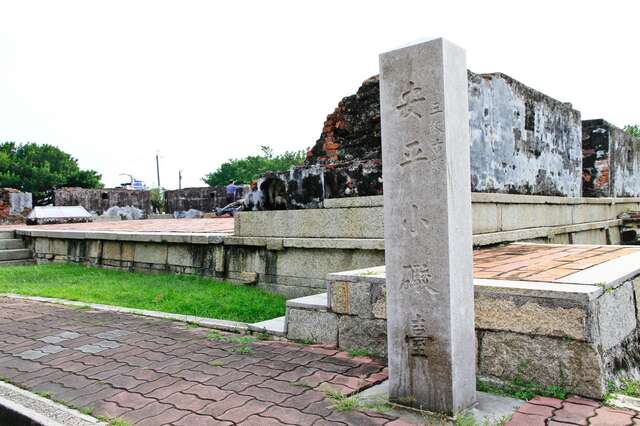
<point x="180" y="294"/>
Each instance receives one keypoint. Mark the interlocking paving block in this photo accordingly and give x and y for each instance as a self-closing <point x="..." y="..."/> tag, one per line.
<point x="113" y="334"/>
<point x="91" y="349"/>
<point x="31" y="354"/>
<point x="69" y="335"/>
<point x="52" y="349"/>
<point x="52" y="339"/>
<point x="108" y="344"/>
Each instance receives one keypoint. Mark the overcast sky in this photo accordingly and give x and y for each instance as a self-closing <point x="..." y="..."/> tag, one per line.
<point x="113" y="82"/>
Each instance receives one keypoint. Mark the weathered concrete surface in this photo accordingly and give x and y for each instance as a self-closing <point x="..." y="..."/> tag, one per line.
<point x="204" y="199"/>
<point x="522" y="141"/>
<point x="427" y="215"/>
<point x="611" y="161"/>
<point x="100" y="200"/>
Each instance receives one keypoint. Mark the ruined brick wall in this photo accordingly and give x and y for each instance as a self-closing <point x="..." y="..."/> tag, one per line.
<point x="522" y="142"/>
<point x="205" y="199"/>
<point x="14" y="205"/>
<point x="611" y="161"/>
<point x="100" y="200"/>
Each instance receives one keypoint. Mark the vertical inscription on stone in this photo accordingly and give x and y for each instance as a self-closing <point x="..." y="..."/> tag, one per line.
<point x="427" y="202"/>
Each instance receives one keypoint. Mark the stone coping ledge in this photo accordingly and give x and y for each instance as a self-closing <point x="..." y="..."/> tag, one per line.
<point x="152" y="237"/>
<point x="609" y="274"/>
<point x="40" y="410"/>
<point x="223" y="325"/>
<point x="275" y="243"/>
<point x="485" y="197"/>
<point x="541" y="232"/>
<point x="577" y="292"/>
<point x="566" y="290"/>
<point x="315" y="302"/>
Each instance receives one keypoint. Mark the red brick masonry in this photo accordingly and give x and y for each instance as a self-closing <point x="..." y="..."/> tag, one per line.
<point x="541" y="262"/>
<point x="572" y="411"/>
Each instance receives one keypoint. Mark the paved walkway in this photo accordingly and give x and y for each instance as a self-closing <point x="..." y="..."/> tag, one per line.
<point x="572" y="411"/>
<point x="213" y="225"/>
<point x="156" y="372"/>
<point x="542" y="262"/>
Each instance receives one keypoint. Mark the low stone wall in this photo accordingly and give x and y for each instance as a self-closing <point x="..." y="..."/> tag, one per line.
<point x="497" y="218"/>
<point x="294" y="266"/>
<point x="100" y="200"/>
<point x="575" y="336"/>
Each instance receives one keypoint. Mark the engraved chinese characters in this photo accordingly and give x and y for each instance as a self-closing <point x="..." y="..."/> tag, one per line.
<point x="427" y="207"/>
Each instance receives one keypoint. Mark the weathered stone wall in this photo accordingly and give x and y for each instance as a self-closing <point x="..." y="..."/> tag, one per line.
<point x="611" y="161"/>
<point x="522" y="142"/>
<point x="576" y="337"/>
<point x="14" y="205"/>
<point x="100" y="200"/>
<point x="205" y="199"/>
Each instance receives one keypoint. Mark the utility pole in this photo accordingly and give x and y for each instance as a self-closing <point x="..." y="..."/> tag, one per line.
<point x="179" y="179"/>
<point x="158" y="168"/>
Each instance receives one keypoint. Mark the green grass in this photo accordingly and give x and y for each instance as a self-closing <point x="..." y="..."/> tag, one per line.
<point x="179" y="294"/>
<point x="628" y="387"/>
<point x="522" y="389"/>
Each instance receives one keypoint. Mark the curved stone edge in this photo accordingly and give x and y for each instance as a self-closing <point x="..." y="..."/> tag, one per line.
<point x="41" y="410"/>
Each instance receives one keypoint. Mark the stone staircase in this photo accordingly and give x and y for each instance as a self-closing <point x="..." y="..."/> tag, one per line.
<point x="13" y="251"/>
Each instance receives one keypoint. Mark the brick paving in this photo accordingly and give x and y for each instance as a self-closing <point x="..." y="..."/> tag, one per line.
<point x="205" y="225"/>
<point x="541" y="262"/>
<point x="572" y="411"/>
<point x="154" y="372"/>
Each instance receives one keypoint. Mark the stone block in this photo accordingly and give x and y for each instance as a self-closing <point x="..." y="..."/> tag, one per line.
<point x="95" y="248"/>
<point x="351" y="298"/>
<point x="591" y="236"/>
<point x="219" y="258"/>
<point x="313" y="326"/>
<point x="43" y="245"/>
<point x="128" y="252"/>
<point x="559" y="239"/>
<point x="339" y="297"/>
<point x="111" y="250"/>
<point x="636" y="291"/>
<point x="365" y="222"/>
<point x="356" y="333"/>
<point x="592" y="212"/>
<point x="616" y="315"/>
<point x="59" y="247"/>
<point x="486" y="218"/>
<point x="151" y="253"/>
<point x="547" y="361"/>
<point x="521" y="216"/>
<point x="180" y="255"/>
<point x="535" y="315"/>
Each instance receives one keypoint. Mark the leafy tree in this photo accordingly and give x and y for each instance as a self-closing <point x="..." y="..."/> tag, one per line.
<point x="40" y="169"/>
<point x="247" y="169"/>
<point x="633" y="130"/>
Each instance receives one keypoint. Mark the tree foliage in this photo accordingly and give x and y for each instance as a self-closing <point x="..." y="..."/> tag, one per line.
<point x="633" y="130"/>
<point x="247" y="169"/>
<point x="40" y="169"/>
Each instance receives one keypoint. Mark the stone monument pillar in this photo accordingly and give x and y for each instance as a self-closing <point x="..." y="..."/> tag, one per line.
<point x="427" y="226"/>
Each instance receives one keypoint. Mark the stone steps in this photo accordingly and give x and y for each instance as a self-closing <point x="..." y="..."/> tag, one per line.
<point x="22" y="262"/>
<point x="17" y="254"/>
<point x="308" y="319"/>
<point x="7" y="235"/>
<point x="11" y="244"/>
<point x="13" y="251"/>
<point x="273" y="327"/>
